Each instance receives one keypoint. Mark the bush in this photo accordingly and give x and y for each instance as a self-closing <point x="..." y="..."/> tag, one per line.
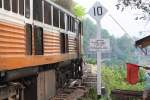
<point x="114" y="78"/>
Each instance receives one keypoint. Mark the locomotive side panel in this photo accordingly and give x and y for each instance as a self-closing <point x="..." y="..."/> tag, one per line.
<point x="12" y="40"/>
<point x="51" y="43"/>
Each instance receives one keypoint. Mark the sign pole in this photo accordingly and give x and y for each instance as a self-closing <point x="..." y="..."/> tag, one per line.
<point x="97" y="11"/>
<point x="98" y="61"/>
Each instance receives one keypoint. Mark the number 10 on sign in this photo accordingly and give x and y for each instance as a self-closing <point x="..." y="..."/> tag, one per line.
<point x="98" y="11"/>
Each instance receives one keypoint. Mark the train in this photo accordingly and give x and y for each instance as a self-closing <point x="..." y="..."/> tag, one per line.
<point x="40" y="49"/>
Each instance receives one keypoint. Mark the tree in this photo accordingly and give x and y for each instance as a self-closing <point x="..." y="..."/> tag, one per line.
<point x="143" y="5"/>
<point x="89" y="29"/>
<point x="79" y="11"/>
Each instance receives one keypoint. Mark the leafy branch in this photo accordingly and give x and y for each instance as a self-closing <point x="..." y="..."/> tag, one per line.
<point x="142" y="5"/>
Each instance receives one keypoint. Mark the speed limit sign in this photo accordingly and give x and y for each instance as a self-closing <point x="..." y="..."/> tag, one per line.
<point x="97" y="11"/>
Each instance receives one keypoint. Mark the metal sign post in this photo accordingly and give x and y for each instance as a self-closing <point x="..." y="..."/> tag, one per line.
<point x="97" y="12"/>
<point x="98" y="61"/>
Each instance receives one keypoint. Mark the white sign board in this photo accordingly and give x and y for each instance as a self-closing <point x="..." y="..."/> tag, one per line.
<point x="97" y="11"/>
<point x="102" y="44"/>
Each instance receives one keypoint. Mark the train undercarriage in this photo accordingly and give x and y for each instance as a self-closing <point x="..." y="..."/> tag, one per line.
<point x="40" y="82"/>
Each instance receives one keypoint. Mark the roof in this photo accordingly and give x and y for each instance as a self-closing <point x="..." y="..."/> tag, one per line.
<point x="144" y="42"/>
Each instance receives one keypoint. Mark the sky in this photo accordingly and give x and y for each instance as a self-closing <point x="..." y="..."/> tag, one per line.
<point x="126" y="19"/>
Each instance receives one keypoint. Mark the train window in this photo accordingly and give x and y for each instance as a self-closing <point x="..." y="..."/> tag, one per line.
<point x="37" y="10"/>
<point x="73" y="25"/>
<point x="62" y="20"/>
<point x="15" y="6"/>
<point x="72" y="21"/>
<point x="29" y="39"/>
<point x="47" y="13"/>
<point x="76" y="26"/>
<point x="55" y="17"/>
<point x="21" y="7"/>
<point x="7" y="4"/>
<point x="38" y="40"/>
<point x="62" y="42"/>
<point x="68" y="22"/>
<point x="27" y="8"/>
<point x="80" y="29"/>
<point x="0" y="3"/>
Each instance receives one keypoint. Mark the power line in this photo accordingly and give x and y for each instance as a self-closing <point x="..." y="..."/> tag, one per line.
<point x="118" y="24"/>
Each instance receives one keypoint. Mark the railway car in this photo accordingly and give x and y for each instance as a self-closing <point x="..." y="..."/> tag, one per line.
<point x="40" y="49"/>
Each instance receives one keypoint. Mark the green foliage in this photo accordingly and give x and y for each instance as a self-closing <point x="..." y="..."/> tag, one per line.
<point x="89" y="30"/>
<point x="92" y="94"/>
<point x="91" y="61"/>
<point x="114" y="78"/>
<point x="79" y="11"/>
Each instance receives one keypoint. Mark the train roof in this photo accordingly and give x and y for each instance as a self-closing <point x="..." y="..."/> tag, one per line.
<point x="144" y="42"/>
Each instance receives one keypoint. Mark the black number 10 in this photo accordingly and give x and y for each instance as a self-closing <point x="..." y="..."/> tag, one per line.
<point x="98" y="11"/>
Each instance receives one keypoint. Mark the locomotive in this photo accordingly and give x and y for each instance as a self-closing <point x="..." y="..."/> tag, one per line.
<point x="40" y="49"/>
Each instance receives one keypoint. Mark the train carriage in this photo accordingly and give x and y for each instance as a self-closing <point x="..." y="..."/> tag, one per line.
<point x="39" y="40"/>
